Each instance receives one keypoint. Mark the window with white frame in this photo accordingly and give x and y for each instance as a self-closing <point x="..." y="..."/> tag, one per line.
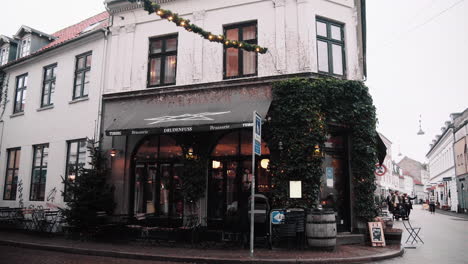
<point x="25" y="46"/>
<point x="4" y="55"/>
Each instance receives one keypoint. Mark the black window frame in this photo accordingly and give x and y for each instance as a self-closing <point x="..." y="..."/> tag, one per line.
<point x="43" y="179"/>
<point x="83" y="70"/>
<point x="76" y="163"/>
<point x="162" y="55"/>
<point x="330" y="41"/>
<point x="20" y="90"/>
<point x="45" y="83"/>
<point x="12" y="193"/>
<point x="240" y="26"/>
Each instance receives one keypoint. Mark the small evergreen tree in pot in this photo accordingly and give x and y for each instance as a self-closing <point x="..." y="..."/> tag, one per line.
<point x="88" y="195"/>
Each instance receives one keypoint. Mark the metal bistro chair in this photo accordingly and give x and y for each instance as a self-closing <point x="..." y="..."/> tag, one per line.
<point x="413" y="232"/>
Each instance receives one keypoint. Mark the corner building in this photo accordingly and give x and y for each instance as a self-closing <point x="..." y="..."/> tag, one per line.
<point x="168" y="90"/>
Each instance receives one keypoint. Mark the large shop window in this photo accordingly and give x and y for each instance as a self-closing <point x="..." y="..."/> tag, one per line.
<point x="162" y="61"/>
<point x="82" y="75"/>
<point x="157" y="175"/>
<point x="48" y="85"/>
<point x="20" y="94"/>
<point x="330" y="47"/>
<point x="231" y="177"/>
<point x="39" y="172"/>
<point x="11" y="179"/>
<point x="76" y="159"/>
<point x="238" y="62"/>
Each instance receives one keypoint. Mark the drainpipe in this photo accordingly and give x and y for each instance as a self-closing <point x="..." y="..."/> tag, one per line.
<point x="103" y="76"/>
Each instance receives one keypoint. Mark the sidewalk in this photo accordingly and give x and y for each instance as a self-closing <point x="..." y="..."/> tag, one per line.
<point x="451" y="213"/>
<point x="343" y="254"/>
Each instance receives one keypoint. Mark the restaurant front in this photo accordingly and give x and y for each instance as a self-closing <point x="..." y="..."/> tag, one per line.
<point x="151" y="135"/>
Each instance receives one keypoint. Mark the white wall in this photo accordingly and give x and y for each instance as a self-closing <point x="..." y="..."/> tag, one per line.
<point x="285" y="27"/>
<point x="442" y="165"/>
<point x="67" y="120"/>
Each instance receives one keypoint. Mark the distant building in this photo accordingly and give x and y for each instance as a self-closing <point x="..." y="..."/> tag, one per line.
<point x="461" y="159"/>
<point x="442" y="167"/>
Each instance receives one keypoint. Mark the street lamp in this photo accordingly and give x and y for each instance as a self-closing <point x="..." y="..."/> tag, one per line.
<point x="420" y="132"/>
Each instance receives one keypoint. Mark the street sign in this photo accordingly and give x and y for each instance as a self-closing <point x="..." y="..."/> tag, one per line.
<point x="277" y="217"/>
<point x="380" y="170"/>
<point x="257" y="134"/>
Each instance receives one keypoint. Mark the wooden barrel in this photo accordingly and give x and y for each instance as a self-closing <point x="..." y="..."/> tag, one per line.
<point x="321" y="229"/>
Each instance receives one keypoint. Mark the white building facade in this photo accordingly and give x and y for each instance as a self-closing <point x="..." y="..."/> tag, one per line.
<point x="442" y="168"/>
<point x="158" y="71"/>
<point x="51" y="97"/>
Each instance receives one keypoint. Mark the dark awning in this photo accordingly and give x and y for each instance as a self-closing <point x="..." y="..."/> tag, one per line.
<point x="176" y="113"/>
<point x="381" y="149"/>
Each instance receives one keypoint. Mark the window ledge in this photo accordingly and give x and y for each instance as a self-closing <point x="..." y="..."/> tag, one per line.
<point x="79" y="100"/>
<point x="17" y="114"/>
<point x="45" y="108"/>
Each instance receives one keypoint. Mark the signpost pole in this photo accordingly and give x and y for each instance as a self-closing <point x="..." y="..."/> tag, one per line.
<point x="256" y="150"/>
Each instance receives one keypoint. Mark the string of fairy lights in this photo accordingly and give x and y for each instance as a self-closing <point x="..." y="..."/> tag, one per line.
<point x="152" y="7"/>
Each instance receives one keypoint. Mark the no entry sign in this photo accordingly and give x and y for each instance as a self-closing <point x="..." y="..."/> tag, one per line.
<point x="380" y="170"/>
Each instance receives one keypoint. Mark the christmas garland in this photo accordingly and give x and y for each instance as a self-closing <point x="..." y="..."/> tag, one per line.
<point x="152" y="7"/>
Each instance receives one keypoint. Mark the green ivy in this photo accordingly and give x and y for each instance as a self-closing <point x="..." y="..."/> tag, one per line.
<point x="302" y="112"/>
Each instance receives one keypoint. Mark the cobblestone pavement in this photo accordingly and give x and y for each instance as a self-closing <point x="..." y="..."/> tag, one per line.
<point x="13" y="255"/>
<point x="445" y="238"/>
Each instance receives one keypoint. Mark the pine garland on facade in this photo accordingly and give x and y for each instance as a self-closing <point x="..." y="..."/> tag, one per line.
<point x="152" y="7"/>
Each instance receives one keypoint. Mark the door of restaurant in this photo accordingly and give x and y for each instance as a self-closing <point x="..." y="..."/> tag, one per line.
<point x="335" y="190"/>
<point x="157" y="189"/>
<point x="229" y="187"/>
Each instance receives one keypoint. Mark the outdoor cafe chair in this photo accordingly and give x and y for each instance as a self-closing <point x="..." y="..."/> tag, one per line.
<point x="413" y="232"/>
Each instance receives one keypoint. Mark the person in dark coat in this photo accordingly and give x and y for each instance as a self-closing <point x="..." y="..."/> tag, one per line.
<point x="408" y="204"/>
<point x="389" y="201"/>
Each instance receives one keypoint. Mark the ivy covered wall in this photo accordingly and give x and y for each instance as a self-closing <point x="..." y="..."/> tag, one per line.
<point x="302" y="113"/>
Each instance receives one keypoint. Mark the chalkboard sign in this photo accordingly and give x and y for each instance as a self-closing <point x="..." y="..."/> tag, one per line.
<point x="376" y="234"/>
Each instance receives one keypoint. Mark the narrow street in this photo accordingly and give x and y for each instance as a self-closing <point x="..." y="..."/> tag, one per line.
<point x="445" y="239"/>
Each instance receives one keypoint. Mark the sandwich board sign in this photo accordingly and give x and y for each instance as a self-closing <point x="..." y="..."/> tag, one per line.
<point x="377" y="234"/>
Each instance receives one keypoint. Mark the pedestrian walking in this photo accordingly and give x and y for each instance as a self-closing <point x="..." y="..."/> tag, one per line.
<point x="432" y="203"/>
<point x="408" y="204"/>
<point x="389" y="201"/>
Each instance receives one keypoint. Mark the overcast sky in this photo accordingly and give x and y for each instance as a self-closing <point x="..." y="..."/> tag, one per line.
<point x="417" y="59"/>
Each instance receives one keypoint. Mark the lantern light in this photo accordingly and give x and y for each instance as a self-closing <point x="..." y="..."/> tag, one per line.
<point x="264" y="163"/>
<point x="113" y="152"/>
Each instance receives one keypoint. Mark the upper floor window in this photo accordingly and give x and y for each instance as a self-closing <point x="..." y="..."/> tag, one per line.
<point x="39" y="172"/>
<point x="238" y="62"/>
<point x="82" y="75"/>
<point x="11" y="179"/>
<point x="3" y="56"/>
<point x="20" y="93"/>
<point x="25" y="46"/>
<point x="48" y="85"/>
<point x="330" y="47"/>
<point x="162" y="61"/>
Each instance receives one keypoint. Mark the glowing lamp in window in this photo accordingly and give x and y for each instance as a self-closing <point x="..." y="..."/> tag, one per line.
<point x="216" y="164"/>
<point x="264" y="163"/>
